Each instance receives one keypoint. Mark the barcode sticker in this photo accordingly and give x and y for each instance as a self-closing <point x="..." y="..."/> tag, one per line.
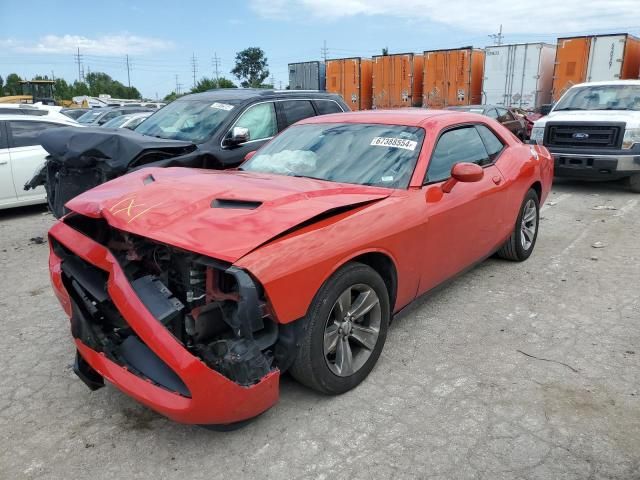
<point x="222" y="106"/>
<point x="394" y="142"/>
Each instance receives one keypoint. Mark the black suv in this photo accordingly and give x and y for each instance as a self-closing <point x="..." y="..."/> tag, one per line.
<point x="229" y="123"/>
<point x="213" y="129"/>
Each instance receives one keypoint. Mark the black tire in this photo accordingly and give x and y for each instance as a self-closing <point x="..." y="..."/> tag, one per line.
<point x="513" y="249"/>
<point x="310" y="367"/>
<point x="634" y="183"/>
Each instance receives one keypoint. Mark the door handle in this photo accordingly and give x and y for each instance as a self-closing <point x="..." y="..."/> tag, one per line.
<point x="497" y="180"/>
<point x="4" y="162"/>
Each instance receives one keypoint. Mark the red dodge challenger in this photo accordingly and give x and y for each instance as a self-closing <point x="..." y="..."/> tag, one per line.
<point x="192" y="290"/>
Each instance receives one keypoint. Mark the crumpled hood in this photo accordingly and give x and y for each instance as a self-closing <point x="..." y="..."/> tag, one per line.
<point x="630" y="118"/>
<point x="114" y="149"/>
<point x="221" y="214"/>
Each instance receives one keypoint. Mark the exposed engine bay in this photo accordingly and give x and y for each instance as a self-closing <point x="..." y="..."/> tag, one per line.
<point x="216" y="311"/>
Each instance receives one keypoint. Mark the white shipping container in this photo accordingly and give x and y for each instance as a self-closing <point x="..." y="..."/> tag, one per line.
<point x="605" y="58"/>
<point x="518" y="75"/>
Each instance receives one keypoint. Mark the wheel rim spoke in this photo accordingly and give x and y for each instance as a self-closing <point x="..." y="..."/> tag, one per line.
<point x="331" y="338"/>
<point x="363" y="304"/>
<point x="365" y="336"/>
<point x="344" y="357"/>
<point x="343" y="304"/>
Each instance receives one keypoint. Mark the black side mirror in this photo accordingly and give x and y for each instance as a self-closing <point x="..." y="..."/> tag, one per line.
<point x="546" y="109"/>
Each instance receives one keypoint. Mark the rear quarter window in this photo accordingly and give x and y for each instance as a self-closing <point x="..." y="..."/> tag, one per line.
<point x="327" y="106"/>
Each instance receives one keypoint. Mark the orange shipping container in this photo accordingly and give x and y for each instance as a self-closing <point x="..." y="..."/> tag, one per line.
<point x="351" y="78"/>
<point x="595" y="58"/>
<point x="397" y="80"/>
<point x="453" y="77"/>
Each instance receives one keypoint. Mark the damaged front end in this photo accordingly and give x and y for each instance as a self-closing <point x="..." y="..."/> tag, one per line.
<point x="215" y="315"/>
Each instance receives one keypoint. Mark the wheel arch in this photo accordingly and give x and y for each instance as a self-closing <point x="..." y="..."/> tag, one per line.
<point x="383" y="264"/>
<point x="537" y="187"/>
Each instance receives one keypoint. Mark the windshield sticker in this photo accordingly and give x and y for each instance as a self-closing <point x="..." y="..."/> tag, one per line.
<point x="222" y="106"/>
<point x="394" y="142"/>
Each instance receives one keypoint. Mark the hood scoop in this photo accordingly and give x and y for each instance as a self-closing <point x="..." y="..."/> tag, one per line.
<point x="230" y="203"/>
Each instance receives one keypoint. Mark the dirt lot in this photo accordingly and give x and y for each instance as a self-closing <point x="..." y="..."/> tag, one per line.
<point x="511" y="371"/>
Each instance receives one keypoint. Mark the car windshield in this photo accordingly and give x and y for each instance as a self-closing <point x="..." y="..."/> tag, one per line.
<point x="117" y="122"/>
<point x="191" y="120"/>
<point x="601" y="97"/>
<point x="364" y="154"/>
<point x="91" y="116"/>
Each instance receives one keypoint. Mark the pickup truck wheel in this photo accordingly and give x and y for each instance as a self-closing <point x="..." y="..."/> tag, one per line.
<point x="525" y="233"/>
<point x="346" y="327"/>
<point x="634" y="183"/>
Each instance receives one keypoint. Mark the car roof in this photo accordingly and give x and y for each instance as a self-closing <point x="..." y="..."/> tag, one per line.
<point x="36" y="118"/>
<point x="249" y="93"/>
<point x="608" y="82"/>
<point x="411" y="117"/>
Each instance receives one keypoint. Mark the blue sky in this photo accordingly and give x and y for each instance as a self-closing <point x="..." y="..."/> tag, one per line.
<point x="160" y="37"/>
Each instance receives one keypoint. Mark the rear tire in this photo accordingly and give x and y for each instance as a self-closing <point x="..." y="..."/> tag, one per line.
<point x="634" y="183"/>
<point x="525" y="232"/>
<point x="340" y="344"/>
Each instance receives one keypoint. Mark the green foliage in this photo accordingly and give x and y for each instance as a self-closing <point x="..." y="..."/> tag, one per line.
<point x="210" y="83"/>
<point x="385" y="51"/>
<point x="171" y="97"/>
<point x="1" y="85"/>
<point x="12" y="85"/>
<point x="251" y="67"/>
<point x="95" y="83"/>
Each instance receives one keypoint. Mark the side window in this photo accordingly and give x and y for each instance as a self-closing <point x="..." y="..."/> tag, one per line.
<point x="295" y="110"/>
<point x="492" y="143"/>
<point x="327" y="106"/>
<point x="25" y="134"/>
<point x="260" y="119"/>
<point x="492" y="113"/>
<point x="3" y="136"/>
<point x="109" y="116"/>
<point x="455" y="146"/>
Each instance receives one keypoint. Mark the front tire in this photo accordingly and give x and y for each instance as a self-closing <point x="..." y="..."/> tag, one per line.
<point x="520" y="244"/>
<point x="634" y="183"/>
<point x="346" y="327"/>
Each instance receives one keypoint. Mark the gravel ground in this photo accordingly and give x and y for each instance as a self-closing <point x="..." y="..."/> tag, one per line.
<point x="511" y="371"/>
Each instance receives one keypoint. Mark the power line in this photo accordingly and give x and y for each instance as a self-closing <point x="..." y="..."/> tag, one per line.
<point x="497" y="37"/>
<point x="215" y="63"/>
<point x="79" y="60"/>
<point x="194" y="68"/>
<point x="324" y="51"/>
<point x="128" y="72"/>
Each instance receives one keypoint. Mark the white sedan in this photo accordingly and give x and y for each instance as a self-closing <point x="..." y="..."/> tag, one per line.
<point x="21" y="155"/>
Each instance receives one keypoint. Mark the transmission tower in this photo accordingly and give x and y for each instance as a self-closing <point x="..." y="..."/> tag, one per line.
<point x="497" y="37"/>
<point x="194" y="68"/>
<point x="215" y="63"/>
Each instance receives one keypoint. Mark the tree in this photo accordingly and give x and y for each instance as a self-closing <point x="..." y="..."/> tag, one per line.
<point x="385" y="51"/>
<point x="205" y="84"/>
<point x="251" y="67"/>
<point x="1" y="86"/>
<point x="210" y="83"/>
<point x="171" y="97"/>
<point x="62" y="90"/>
<point x="12" y="85"/>
<point x="226" y="83"/>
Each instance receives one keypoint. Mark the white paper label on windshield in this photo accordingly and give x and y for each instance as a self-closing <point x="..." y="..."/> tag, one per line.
<point x="222" y="106"/>
<point x="394" y="142"/>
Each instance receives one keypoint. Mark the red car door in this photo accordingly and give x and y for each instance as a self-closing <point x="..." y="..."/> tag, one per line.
<point x="467" y="224"/>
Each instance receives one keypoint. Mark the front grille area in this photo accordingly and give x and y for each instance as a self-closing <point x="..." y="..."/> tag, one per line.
<point x="582" y="135"/>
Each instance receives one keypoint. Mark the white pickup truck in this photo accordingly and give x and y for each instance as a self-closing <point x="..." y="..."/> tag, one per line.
<point x="593" y="132"/>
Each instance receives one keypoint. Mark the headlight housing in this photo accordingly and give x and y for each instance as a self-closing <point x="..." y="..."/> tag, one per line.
<point x="537" y="135"/>
<point x="631" y="137"/>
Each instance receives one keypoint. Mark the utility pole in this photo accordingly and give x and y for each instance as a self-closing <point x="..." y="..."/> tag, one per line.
<point x="215" y="63"/>
<point x="324" y="51"/>
<point x="177" y="86"/>
<point x="194" y="68"/>
<point x="79" y="61"/>
<point x="280" y="85"/>
<point x="273" y="81"/>
<point x="128" y="72"/>
<point x="497" y="37"/>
